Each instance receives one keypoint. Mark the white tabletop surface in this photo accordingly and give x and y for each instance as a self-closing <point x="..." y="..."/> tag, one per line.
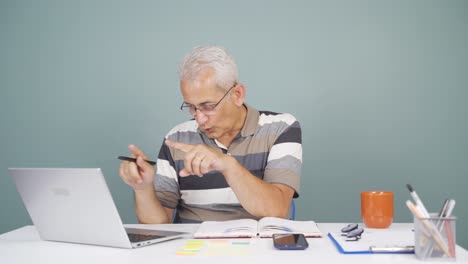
<point x="23" y="245"/>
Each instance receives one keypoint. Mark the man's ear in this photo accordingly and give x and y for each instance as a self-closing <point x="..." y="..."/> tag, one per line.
<point x="238" y="94"/>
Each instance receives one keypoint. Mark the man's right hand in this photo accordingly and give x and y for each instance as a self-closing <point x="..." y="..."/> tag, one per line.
<point x="139" y="175"/>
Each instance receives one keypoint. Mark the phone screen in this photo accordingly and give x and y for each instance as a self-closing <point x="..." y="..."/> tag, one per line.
<point x="290" y="241"/>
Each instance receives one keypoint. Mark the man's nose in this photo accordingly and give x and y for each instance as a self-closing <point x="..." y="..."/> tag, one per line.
<point x="200" y="117"/>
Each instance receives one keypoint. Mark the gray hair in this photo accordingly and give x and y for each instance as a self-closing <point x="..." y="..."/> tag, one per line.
<point x="210" y="57"/>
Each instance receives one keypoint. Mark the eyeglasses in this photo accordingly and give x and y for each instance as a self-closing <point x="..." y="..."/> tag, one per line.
<point x="352" y="231"/>
<point x="206" y="109"/>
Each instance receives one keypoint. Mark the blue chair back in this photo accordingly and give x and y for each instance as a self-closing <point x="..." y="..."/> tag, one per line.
<point x="293" y="210"/>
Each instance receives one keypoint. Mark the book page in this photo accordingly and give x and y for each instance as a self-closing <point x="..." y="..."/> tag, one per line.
<point x="268" y="226"/>
<point x="231" y="228"/>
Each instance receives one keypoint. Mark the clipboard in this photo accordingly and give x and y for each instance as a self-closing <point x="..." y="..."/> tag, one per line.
<point x="376" y="241"/>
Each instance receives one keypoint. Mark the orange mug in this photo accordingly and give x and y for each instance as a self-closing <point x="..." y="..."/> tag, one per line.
<point x="377" y="208"/>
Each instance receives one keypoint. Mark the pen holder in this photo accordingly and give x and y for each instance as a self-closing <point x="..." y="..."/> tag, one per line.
<point x="435" y="238"/>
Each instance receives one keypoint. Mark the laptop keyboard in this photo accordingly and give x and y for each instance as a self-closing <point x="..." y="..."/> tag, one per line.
<point x="141" y="237"/>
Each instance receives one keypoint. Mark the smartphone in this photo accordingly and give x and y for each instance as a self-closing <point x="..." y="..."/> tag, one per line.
<point x="290" y="241"/>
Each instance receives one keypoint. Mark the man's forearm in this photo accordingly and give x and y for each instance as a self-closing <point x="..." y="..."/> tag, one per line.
<point x="148" y="208"/>
<point x="258" y="197"/>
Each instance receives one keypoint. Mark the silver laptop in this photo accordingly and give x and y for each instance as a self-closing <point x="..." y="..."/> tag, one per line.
<point x="75" y="205"/>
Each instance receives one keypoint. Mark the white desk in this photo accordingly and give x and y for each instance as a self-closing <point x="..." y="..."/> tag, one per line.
<point x="23" y="245"/>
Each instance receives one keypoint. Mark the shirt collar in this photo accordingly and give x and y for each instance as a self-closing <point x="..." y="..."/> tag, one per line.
<point x="251" y="121"/>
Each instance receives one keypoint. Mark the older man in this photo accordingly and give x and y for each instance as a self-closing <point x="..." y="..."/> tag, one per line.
<point x="230" y="161"/>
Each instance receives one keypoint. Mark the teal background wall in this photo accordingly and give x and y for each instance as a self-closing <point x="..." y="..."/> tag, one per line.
<point x="380" y="88"/>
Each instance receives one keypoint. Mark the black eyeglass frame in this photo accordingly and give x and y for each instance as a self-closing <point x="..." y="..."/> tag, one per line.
<point x="204" y="108"/>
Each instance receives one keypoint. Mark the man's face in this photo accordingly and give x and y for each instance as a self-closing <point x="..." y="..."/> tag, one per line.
<point x="203" y="90"/>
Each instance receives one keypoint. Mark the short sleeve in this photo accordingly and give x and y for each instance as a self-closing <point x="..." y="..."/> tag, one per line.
<point x="166" y="182"/>
<point x="284" y="164"/>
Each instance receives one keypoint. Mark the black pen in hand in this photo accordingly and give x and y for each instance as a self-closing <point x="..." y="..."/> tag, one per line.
<point x="134" y="160"/>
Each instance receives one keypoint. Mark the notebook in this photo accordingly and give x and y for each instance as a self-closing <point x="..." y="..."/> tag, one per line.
<point x="75" y="205"/>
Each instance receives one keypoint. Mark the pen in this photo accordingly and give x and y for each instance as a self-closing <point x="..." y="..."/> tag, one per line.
<point x="443" y="211"/>
<point x="392" y="249"/>
<point x="134" y="160"/>
<point x="417" y="200"/>
<point x="451" y="205"/>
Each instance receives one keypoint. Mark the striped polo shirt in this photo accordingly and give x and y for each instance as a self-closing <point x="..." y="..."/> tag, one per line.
<point x="269" y="146"/>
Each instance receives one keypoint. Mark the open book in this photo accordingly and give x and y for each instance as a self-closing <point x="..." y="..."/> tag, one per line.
<point x="264" y="227"/>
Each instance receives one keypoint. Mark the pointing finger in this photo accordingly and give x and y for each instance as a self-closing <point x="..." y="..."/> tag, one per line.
<point x="180" y="146"/>
<point x="136" y="151"/>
